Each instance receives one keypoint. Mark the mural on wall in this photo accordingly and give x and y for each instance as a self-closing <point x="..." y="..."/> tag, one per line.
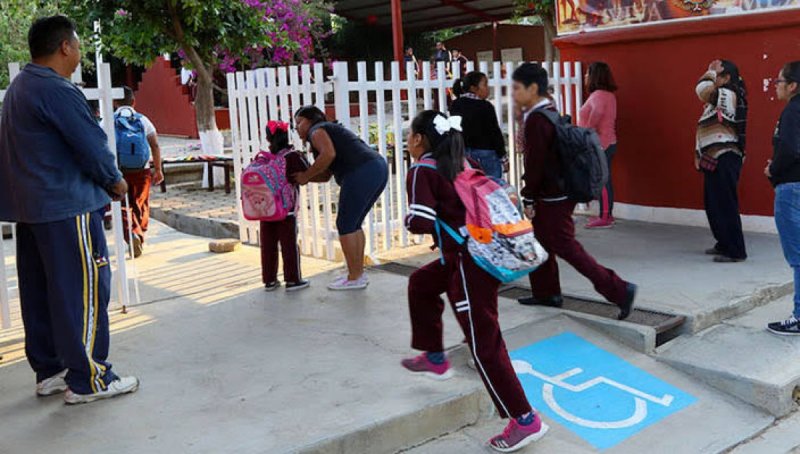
<point x="584" y="15"/>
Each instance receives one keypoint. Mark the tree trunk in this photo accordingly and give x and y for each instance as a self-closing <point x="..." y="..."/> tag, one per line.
<point x="550" y="33"/>
<point x="210" y="137"/>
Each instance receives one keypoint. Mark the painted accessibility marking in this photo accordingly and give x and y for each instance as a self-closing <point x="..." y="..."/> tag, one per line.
<point x="595" y="394"/>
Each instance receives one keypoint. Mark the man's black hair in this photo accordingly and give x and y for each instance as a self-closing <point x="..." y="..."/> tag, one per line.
<point x="128" y="98"/>
<point x="532" y="73"/>
<point x="48" y="33"/>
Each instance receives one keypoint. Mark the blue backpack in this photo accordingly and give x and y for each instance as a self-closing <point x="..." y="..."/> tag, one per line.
<point x="133" y="150"/>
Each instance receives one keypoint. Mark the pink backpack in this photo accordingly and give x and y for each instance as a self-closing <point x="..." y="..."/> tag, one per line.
<point x="499" y="240"/>
<point x="266" y="193"/>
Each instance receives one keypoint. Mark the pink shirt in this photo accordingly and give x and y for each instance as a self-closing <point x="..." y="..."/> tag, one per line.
<point x="600" y="114"/>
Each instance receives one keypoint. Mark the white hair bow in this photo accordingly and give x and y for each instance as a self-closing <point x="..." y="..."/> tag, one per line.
<point x="444" y="124"/>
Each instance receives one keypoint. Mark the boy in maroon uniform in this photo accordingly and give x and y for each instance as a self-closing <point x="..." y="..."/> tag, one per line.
<point x="548" y="206"/>
<point x="285" y="231"/>
<point x="472" y="291"/>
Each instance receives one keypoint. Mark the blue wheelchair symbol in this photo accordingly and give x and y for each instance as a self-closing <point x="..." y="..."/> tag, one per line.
<point x="595" y="394"/>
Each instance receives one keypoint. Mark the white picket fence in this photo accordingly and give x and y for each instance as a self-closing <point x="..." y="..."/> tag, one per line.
<point x="258" y="96"/>
<point x="105" y="94"/>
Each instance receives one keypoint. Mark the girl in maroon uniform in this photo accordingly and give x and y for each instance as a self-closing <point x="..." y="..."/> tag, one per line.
<point x="282" y="232"/>
<point x="472" y="292"/>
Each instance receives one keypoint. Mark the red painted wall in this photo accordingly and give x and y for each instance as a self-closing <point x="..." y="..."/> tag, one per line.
<point x="657" y="67"/>
<point x="165" y="101"/>
<point x="529" y="37"/>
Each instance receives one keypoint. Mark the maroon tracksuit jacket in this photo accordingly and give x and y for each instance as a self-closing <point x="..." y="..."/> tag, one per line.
<point x="283" y="232"/>
<point x="553" y="222"/>
<point x="472" y="292"/>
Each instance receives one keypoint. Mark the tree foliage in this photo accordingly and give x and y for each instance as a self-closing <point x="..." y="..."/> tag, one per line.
<point x="16" y="16"/>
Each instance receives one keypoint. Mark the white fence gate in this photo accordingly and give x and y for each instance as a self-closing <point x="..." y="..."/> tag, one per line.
<point x="105" y="94"/>
<point x="383" y="105"/>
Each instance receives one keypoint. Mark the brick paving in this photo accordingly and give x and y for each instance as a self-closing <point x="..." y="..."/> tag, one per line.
<point x="192" y="200"/>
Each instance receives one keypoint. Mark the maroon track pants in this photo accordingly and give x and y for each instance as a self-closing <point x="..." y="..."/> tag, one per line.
<point x="139" y="182"/>
<point x="555" y="230"/>
<point x="473" y="296"/>
<point x="283" y="233"/>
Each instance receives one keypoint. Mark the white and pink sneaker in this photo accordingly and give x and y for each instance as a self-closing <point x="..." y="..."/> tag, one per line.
<point x="600" y="223"/>
<point x="423" y="366"/>
<point x="343" y="283"/>
<point x="516" y="436"/>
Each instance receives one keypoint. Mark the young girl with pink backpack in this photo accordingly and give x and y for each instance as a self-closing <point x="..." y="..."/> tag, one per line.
<point x="482" y="242"/>
<point x="269" y="195"/>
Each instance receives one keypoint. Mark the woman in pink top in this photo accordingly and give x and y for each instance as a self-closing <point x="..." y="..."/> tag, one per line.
<point x="600" y="113"/>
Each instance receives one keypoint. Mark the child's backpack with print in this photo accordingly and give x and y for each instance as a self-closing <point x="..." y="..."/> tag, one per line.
<point x="266" y="193"/>
<point x="499" y="240"/>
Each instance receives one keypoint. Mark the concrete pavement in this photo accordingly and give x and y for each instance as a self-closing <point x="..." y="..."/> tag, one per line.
<point x="226" y="367"/>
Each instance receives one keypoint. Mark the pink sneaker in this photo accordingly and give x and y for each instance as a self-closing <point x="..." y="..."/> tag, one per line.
<point x="600" y="223"/>
<point x="422" y="365"/>
<point x="516" y="436"/>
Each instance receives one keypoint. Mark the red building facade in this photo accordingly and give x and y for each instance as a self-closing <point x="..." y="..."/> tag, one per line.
<point x="657" y="67"/>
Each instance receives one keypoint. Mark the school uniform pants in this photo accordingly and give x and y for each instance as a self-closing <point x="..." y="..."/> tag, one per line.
<point x="555" y="230"/>
<point x="64" y="288"/>
<point x="284" y="233"/>
<point x="138" y="208"/>
<point x="473" y="296"/>
<point x="722" y="205"/>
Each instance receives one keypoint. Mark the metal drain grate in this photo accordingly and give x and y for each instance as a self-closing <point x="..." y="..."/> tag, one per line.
<point x="667" y="326"/>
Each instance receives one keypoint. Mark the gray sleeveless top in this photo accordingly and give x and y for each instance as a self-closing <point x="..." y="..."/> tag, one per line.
<point x="351" y="151"/>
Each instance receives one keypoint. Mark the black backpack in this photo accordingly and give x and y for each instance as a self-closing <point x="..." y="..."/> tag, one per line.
<point x="584" y="164"/>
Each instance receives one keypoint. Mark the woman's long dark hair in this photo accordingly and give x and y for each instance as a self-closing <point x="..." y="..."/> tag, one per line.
<point x="600" y="78"/>
<point x="737" y="85"/>
<point x="447" y="148"/>
<point x="311" y="113"/>
<point x="469" y="80"/>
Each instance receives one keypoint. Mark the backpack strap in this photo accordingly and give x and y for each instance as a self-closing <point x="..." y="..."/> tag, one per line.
<point x="551" y="115"/>
<point x="439" y="225"/>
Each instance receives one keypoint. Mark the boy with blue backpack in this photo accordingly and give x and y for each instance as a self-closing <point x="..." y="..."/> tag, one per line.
<point x="137" y="141"/>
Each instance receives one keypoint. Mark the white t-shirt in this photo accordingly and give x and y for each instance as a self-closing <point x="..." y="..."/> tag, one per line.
<point x="149" y="128"/>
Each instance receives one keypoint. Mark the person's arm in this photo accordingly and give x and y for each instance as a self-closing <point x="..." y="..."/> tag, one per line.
<point x="69" y="112"/>
<point x="498" y="141"/>
<point x="706" y="88"/>
<point x="788" y="151"/>
<point x="155" y="150"/>
<point x="537" y="143"/>
<point x="321" y="142"/>
<point x="421" y="217"/>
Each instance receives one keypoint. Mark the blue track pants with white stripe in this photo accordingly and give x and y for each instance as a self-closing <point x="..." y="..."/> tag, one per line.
<point x="64" y="288"/>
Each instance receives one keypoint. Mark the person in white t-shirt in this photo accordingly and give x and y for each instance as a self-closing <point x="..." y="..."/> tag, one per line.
<point x="139" y="179"/>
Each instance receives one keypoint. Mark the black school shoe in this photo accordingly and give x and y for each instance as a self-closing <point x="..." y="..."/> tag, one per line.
<point x="550" y="301"/>
<point x="626" y="307"/>
<point x="295" y="286"/>
<point x="788" y="327"/>
<point x="272" y="286"/>
<point x="726" y="259"/>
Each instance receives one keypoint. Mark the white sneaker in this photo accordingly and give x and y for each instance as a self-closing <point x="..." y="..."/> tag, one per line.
<point x="344" y="284"/>
<point x="52" y="385"/>
<point x="122" y="385"/>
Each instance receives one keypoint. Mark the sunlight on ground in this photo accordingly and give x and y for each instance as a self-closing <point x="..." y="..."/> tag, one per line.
<point x="12" y="341"/>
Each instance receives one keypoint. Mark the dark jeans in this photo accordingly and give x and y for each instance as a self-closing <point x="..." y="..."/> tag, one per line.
<point x="491" y="164"/>
<point x="360" y="190"/>
<point x="722" y="205"/>
<point x="607" y="200"/>
<point x="787" y="219"/>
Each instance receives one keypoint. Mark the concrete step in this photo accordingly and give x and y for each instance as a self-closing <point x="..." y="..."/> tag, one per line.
<point x="781" y="437"/>
<point x="743" y="359"/>
<point x="714" y="423"/>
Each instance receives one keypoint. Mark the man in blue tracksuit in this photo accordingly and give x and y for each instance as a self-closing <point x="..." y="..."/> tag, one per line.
<point x="56" y="173"/>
